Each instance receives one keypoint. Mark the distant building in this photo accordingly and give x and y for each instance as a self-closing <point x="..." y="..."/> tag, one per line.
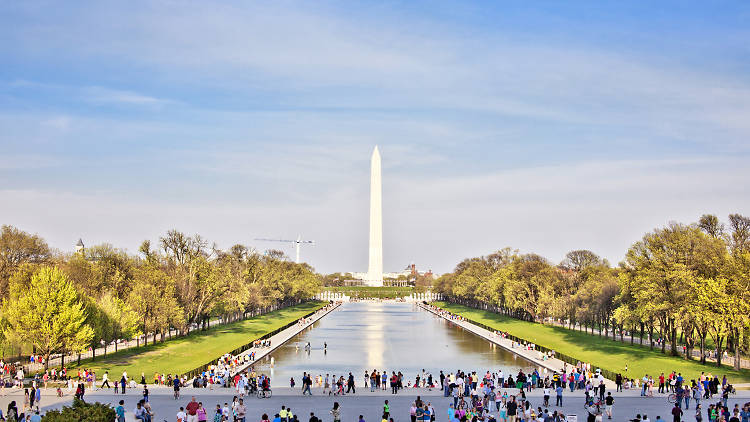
<point x="79" y="246"/>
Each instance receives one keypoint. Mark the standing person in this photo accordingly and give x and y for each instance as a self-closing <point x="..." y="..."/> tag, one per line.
<point x="241" y="411"/>
<point x="123" y="381"/>
<point x="120" y="411"/>
<point x="558" y="400"/>
<point x="201" y="413"/>
<point x="181" y="416"/>
<point x="661" y="383"/>
<point x="386" y="410"/>
<point x="608" y="402"/>
<point x="218" y="415"/>
<point x="192" y="410"/>
<point x="336" y="412"/>
<point x="175" y="382"/>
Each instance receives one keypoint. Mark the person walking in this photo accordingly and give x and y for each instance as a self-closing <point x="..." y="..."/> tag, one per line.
<point x="676" y="413"/>
<point x="105" y="379"/>
<point x="609" y="402"/>
<point x="512" y="409"/>
<point x="350" y="384"/>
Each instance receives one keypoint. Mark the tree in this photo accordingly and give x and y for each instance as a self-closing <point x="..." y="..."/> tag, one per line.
<point x="153" y="299"/>
<point x="49" y="314"/>
<point x="664" y="266"/>
<point x="16" y="248"/>
<point x="739" y="232"/>
<point x="123" y="321"/>
<point x="710" y="225"/>
<point x="580" y="259"/>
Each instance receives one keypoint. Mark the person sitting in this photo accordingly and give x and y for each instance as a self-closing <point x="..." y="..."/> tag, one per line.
<point x="140" y="413"/>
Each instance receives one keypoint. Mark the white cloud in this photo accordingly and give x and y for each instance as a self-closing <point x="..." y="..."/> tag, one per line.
<point x="102" y="95"/>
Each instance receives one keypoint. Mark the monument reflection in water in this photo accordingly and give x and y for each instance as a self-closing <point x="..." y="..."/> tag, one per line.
<point x="385" y="336"/>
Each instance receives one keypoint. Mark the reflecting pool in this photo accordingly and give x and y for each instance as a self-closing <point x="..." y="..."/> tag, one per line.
<point x="388" y="336"/>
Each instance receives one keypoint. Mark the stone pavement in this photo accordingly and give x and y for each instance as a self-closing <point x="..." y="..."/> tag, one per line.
<point x="627" y="403"/>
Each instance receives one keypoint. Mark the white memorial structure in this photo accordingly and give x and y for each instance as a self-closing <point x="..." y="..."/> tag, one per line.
<point x="374" y="276"/>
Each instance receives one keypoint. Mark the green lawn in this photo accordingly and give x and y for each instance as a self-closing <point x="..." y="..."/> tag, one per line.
<point x="600" y="352"/>
<point x="200" y="347"/>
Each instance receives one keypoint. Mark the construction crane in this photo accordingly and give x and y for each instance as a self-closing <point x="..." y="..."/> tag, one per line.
<point x="296" y="242"/>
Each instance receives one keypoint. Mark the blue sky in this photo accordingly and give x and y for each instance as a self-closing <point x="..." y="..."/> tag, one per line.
<point x="545" y="126"/>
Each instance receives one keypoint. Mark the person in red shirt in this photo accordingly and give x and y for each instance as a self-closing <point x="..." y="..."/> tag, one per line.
<point x="661" y="383"/>
<point x="192" y="410"/>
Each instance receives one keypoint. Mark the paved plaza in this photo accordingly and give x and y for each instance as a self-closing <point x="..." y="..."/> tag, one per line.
<point x="365" y="403"/>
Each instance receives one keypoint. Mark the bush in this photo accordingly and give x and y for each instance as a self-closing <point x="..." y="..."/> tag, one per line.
<point x="81" y="412"/>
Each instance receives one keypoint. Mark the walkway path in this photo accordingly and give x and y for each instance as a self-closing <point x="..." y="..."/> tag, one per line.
<point x="282" y="337"/>
<point x="553" y="364"/>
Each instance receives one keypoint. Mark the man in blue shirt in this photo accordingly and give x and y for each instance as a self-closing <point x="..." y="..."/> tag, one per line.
<point x="559" y="391"/>
<point x="120" y="411"/>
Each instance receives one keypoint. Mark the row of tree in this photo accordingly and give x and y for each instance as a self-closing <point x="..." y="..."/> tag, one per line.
<point x="65" y="303"/>
<point x="683" y="283"/>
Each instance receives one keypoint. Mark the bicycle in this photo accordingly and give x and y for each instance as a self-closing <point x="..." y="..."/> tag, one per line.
<point x="264" y="394"/>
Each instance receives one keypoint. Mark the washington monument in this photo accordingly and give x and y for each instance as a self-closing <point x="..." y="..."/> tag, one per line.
<point x="375" y="268"/>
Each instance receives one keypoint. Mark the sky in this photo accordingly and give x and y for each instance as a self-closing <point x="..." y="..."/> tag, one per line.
<point x="543" y="126"/>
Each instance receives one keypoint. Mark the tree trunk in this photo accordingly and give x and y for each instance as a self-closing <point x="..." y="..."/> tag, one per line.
<point x="737" y="349"/>
<point x="651" y="334"/>
<point x="641" y="338"/>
